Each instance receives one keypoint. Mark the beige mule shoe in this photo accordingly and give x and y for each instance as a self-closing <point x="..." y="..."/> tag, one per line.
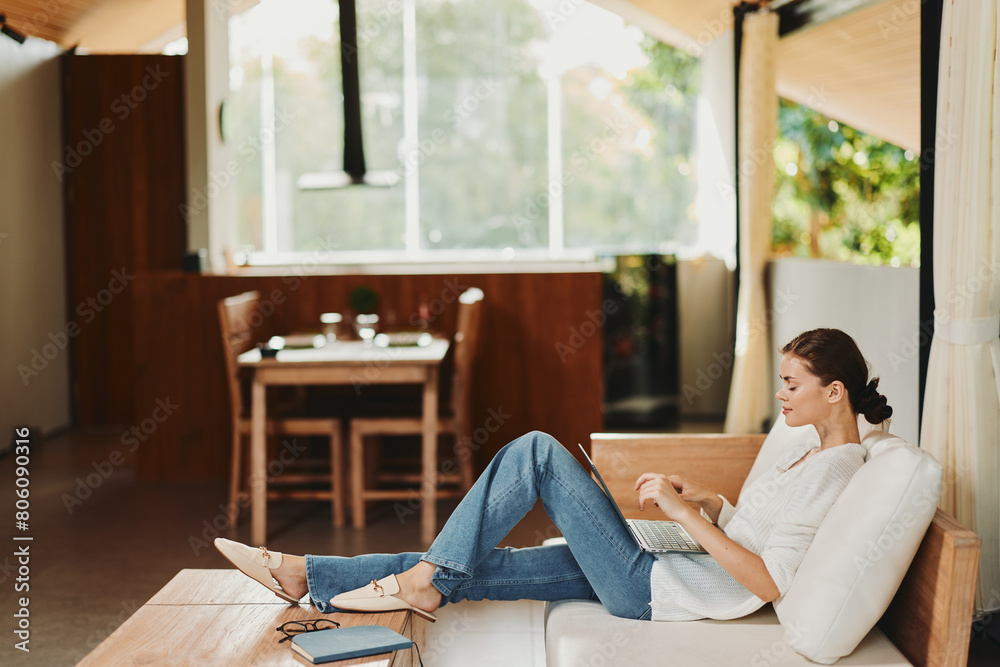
<point x="255" y="563"/>
<point x="378" y="596"/>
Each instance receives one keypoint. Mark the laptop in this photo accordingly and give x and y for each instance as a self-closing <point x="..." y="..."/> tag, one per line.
<point x="651" y="536"/>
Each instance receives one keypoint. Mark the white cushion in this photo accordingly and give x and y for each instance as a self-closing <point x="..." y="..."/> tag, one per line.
<point x="862" y="550"/>
<point x="582" y="632"/>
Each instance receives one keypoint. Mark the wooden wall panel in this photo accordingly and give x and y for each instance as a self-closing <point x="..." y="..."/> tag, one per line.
<point x="123" y="176"/>
<point x="519" y="372"/>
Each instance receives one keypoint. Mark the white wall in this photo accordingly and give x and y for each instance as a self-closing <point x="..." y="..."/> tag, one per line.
<point x="211" y="206"/>
<point x="32" y="255"/>
<point x="878" y="306"/>
<point x="715" y="205"/>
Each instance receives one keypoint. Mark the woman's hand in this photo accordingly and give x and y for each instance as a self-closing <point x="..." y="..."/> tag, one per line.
<point x="693" y="492"/>
<point x="687" y="491"/>
<point x="659" y="489"/>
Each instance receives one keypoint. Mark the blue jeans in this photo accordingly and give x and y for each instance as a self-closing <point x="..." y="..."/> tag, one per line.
<point x="600" y="559"/>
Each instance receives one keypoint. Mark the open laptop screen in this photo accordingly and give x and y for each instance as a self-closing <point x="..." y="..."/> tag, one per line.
<point x="600" y="481"/>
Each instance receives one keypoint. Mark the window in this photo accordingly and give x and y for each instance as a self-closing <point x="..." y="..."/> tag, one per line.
<point x="843" y="194"/>
<point x="517" y="128"/>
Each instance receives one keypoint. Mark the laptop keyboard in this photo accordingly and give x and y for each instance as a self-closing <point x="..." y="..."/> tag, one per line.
<point x="663" y="535"/>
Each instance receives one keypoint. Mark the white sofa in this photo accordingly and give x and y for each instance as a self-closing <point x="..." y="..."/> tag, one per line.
<point x="884" y="526"/>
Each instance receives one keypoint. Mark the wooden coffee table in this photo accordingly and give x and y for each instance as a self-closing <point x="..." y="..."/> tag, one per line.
<point x="222" y="617"/>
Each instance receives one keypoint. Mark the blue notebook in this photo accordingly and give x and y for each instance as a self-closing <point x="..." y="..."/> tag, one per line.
<point x="351" y="642"/>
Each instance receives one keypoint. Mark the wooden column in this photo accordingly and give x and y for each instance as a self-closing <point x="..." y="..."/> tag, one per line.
<point x="123" y="178"/>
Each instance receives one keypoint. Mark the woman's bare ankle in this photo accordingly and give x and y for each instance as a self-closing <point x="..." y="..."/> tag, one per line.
<point x="291" y="575"/>
<point x="415" y="586"/>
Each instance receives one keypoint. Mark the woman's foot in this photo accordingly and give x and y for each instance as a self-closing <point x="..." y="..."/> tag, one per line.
<point x="415" y="587"/>
<point x="283" y="574"/>
<point x="410" y="590"/>
<point x="291" y="575"/>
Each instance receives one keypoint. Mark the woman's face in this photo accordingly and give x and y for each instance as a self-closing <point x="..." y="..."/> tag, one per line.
<point x="803" y="399"/>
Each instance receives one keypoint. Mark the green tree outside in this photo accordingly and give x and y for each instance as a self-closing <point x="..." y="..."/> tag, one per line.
<point x="843" y="194"/>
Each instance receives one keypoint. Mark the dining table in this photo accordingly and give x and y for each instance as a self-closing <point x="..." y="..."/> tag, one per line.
<point x="357" y="363"/>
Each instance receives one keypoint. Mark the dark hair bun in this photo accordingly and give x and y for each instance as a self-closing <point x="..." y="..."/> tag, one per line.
<point x="874" y="405"/>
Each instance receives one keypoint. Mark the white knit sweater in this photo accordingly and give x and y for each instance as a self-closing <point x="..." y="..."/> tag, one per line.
<point x="776" y="517"/>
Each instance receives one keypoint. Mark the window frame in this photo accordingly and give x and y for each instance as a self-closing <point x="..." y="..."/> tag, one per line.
<point x="553" y="253"/>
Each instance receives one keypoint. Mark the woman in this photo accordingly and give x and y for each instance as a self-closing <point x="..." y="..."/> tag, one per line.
<point x="750" y="562"/>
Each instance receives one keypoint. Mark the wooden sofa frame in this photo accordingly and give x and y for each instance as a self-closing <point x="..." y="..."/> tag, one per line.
<point x="930" y="619"/>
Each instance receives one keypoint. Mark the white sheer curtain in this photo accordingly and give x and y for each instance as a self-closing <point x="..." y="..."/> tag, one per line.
<point x="961" y="419"/>
<point x="750" y="400"/>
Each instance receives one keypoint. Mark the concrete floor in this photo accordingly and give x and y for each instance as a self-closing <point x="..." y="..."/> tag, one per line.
<point x="99" y="551"/>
